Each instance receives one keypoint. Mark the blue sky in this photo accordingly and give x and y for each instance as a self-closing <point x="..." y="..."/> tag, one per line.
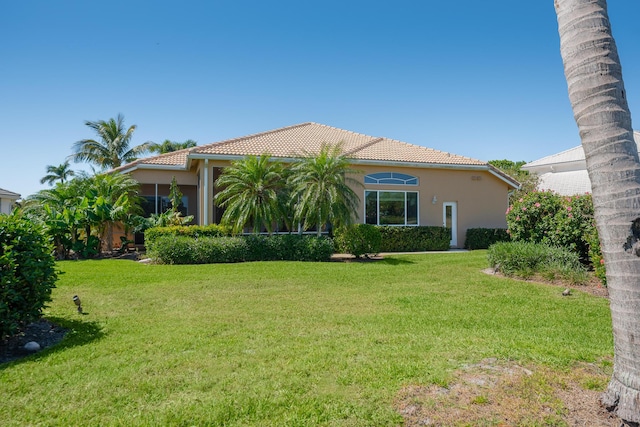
<point x="480" y="79"/>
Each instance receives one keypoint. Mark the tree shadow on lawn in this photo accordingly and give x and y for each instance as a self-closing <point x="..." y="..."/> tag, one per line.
<point x="396" y="261"/>
<point x="376" y="259"/>
<point x="53" y="334"/>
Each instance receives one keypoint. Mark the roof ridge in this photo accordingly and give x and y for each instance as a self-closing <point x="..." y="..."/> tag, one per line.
<point x="253" y="135"/>
<point x="343" y="130"/>
<point x="365" y="145"/>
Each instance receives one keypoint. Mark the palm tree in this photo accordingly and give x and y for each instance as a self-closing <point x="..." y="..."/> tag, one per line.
<point x="322" y="189"/>
<point x="112" y="147"/>
<point x="170" y="146"/>
<point x="249" y="194"/>
<point x="55" y="173"/>
<point x="596" y="91"/>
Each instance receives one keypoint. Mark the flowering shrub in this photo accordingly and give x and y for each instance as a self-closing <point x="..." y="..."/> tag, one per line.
<point x="547" y="217"/>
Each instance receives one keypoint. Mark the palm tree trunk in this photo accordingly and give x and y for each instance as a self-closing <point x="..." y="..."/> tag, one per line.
<point x="596" y="90"/>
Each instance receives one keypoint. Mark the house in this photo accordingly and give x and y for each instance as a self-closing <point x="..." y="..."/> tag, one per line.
<point x="7" y="200"/>
<point x="402" y="184"/>
<point x="564" y="173"/>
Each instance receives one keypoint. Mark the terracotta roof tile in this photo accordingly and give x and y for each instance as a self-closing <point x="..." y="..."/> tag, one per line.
<point x="306" y="138"/>
<point x="298" y="140"/>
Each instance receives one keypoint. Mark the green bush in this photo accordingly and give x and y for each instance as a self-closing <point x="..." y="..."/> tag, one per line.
<point x="546" y="217"/>
<point x="171" y="249"/>
<point x="212" y="230"/>
<point x="27" y="273"/>
<point x="414" y="239"/>
<point x="526" y="259"/>
<point x="482" y="238"/>
<point x="358" y="240"/>
<point x="568" y="222"/>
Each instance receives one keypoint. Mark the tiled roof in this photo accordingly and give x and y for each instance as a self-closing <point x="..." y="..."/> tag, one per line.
<point x="307" y="138"/>
<point x="575" y="154"/>
<point x="566" y="183"/>
<point x="8" y="194"/>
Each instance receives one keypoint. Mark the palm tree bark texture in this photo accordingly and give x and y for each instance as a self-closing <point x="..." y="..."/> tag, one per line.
<point x="596" y="91"/>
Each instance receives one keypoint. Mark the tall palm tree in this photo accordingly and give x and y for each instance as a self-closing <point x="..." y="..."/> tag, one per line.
<point x="322" y="189"/>
<point x="112" y="148"/>
<point x="249" y="194"/>
<point x="60" y="173"/>
<point x="168" y="146"/>
<point x="598" y="98"/>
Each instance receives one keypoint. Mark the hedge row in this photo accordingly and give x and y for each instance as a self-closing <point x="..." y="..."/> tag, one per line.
<point x="212" y="230"/>
<point x="175" y="249"/>
<point x="414" y="239"/>
<point x="482" y="238"/>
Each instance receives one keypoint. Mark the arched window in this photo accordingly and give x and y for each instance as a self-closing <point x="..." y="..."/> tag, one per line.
<point x="390" y="178"/>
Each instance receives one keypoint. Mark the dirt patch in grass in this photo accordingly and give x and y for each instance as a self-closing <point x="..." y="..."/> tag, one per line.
<point x="494" y="393"/>
<point x="592" y="286"/>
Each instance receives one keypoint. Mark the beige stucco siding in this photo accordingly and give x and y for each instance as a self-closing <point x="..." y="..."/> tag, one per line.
<point x="481" y="197"/>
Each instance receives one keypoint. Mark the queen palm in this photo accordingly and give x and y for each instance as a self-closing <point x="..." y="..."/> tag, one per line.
<point x="322" y="189"/>
<point x="60" y="173"/>
<point x="112" y="148"/>
<point x="596" y="91"/>
<point x="249" y="193"/>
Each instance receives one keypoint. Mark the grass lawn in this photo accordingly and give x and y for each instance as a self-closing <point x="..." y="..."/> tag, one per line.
<point x="284" y="343"/>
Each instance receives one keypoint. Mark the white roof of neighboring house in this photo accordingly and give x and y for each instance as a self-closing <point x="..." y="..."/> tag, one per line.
<point x="566" y="172"/>
<point x="6" y="194"/>
<point x="566" y="183"/>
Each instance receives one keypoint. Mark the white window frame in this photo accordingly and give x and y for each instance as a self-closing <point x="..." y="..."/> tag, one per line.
<point x="417" y="193"/>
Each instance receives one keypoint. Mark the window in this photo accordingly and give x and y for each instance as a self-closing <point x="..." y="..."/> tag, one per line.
<point x="391" y="207"/>
<point x="392" y="178"/>
<point x="151" y="205"/>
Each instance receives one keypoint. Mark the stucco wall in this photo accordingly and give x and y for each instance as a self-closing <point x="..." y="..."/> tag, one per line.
<point x="480" y="196"/>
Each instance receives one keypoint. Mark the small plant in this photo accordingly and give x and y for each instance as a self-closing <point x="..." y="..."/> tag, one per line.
<point x="526" y="259"/>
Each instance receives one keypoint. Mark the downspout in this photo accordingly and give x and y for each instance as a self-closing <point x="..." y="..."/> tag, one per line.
<point x="156" y="198"/>
<point x="206" y="192"/>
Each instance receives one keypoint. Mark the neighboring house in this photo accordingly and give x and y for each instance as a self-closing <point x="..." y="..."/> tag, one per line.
<point x="403" y="184"/>
<point x="7" y="200"/>
<point x="564" y="173"/>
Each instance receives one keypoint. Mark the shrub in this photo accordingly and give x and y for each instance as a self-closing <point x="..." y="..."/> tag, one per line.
<point x="595" y="256"/>
<point x="212" y="230"/>
<point x="482" y="238"/>
<point x="171" y="249"/>
<point x="358" y="240"/>
<point x="27" y="273"/>
<point x="546" y="217"/>
<point x="525" y="259"/>
<point x="414" y="239"/>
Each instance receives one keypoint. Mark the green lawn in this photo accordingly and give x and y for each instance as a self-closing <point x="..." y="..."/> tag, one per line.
<point x="284" y="343"/>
